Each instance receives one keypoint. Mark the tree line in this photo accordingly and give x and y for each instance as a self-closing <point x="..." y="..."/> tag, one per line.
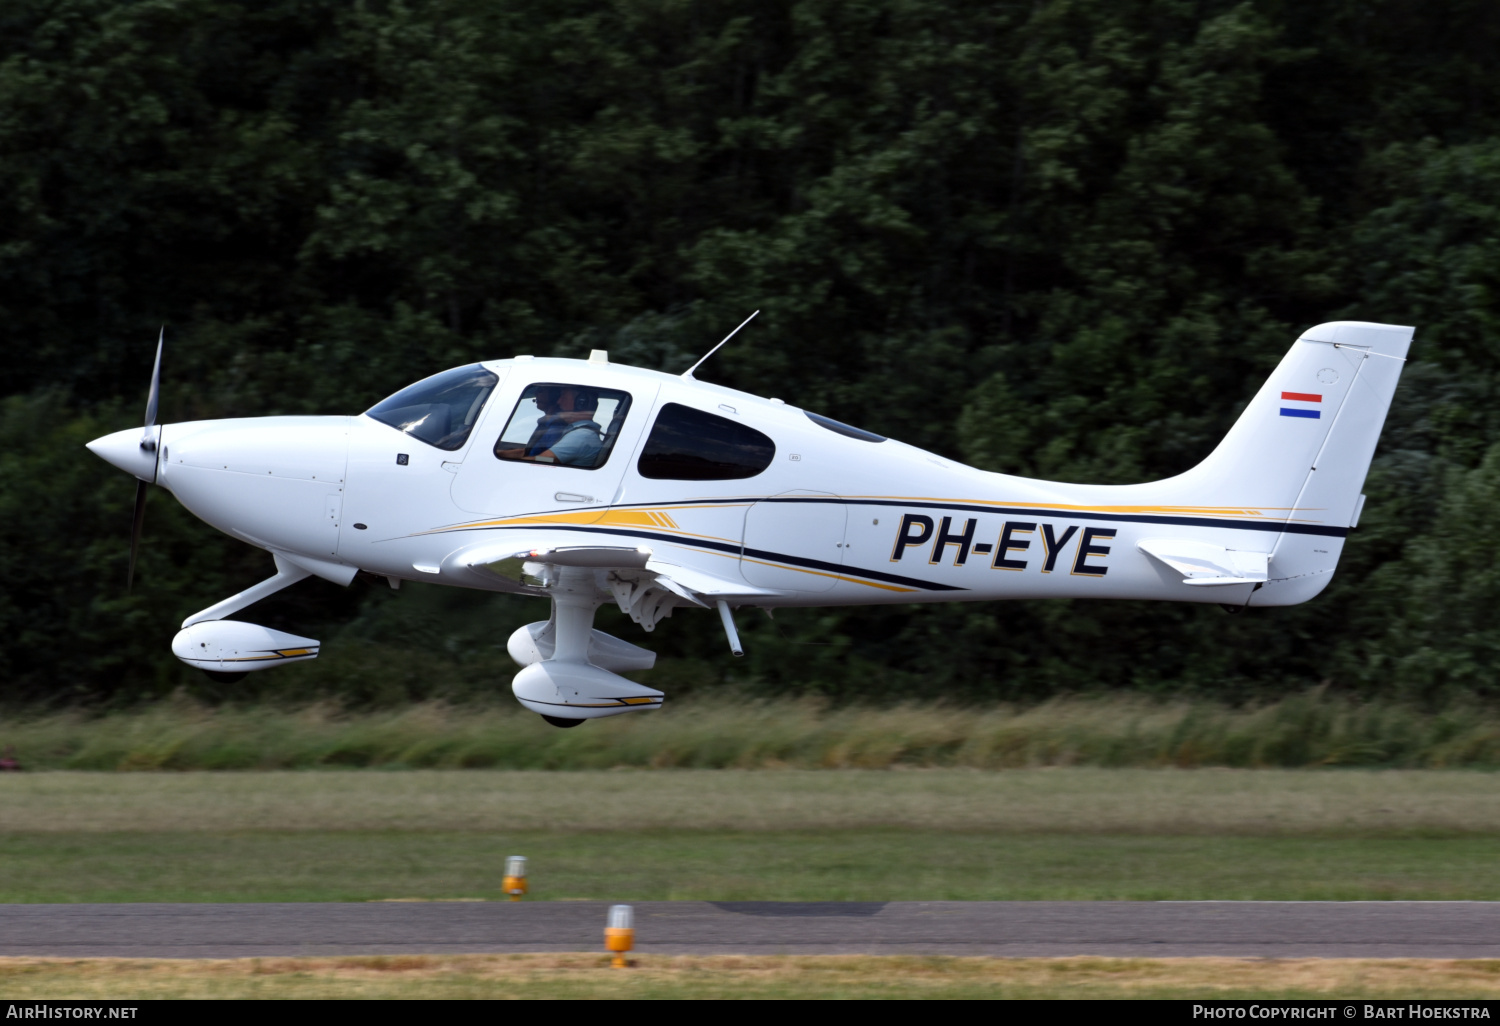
<point x="1057" y="238"/>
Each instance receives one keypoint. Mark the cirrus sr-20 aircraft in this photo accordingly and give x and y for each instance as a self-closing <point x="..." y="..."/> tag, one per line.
<point x="588" y="482"/>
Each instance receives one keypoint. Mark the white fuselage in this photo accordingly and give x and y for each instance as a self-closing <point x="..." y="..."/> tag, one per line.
<point x="833" y="520"/>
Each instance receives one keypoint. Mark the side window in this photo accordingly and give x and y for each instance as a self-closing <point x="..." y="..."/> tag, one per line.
<point x="440" y="410"/>
<point x="564" y="425"/>
<point x="690" y="445"/>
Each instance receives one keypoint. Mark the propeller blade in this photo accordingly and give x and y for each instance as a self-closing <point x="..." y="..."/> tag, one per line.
<point x="135" y="529"/>
<point x="156" y="381"/>
<point x="148" y="443"/>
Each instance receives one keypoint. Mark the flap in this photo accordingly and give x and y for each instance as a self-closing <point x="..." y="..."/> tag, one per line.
<point x="1203" y="563"/>
<point x="507" y="558"/>
<point x="598" y="557"/>
<point x="511" y="559"/>
<point x="680" y="579"/>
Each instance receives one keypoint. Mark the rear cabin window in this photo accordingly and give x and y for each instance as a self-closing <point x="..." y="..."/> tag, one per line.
<point x="690" y="445"/>
<point x="440" y="410"/>
<point x="563" y="425"/>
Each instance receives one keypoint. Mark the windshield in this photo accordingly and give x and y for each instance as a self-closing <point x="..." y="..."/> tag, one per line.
<point x="440" y="410"/>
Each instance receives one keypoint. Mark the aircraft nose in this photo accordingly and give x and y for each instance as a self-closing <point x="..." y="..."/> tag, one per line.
<point x="123" y="449"/>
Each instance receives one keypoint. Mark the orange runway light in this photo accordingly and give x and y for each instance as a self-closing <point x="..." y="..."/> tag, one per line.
<point x="619" y="935"/>
<point x="515" y="877"/>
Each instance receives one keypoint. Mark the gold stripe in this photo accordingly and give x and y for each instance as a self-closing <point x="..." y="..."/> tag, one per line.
<point x="1222" y="511"/>
<point x="658" y="517"/>
<point x="285" y="653"/>
<point x="610" y="518"/>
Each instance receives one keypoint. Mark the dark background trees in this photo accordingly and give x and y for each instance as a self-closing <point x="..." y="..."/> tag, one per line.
<point x="1063" y="238"/>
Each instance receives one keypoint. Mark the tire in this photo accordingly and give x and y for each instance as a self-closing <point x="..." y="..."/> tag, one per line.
<point x="220" y="677"/>
<point x="558" y="721"/>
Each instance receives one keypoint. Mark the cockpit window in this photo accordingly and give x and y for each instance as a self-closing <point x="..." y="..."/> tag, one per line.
<point x="564" y="425"/>
<point x="690" y="445"/>
<point x="839" y="427"/>
<point x="440" y="410"/>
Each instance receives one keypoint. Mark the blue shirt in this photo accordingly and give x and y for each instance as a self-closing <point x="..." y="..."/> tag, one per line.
<point x="580" y="445"/>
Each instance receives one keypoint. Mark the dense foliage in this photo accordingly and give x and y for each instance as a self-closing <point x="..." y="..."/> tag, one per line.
<point x="1063" y="238"/>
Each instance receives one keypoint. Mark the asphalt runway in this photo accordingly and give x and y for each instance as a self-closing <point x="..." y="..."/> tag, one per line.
<point x="1264" y="929"/>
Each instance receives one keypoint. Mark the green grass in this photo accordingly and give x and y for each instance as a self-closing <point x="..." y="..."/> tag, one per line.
<point x="850" y="865"/>
<point x="1308" y="730"/>
<point x="751" y="835"/>
<point x="1063" y="800"/>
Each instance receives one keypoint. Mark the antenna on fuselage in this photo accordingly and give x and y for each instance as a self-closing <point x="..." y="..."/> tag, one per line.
<point x="688" y="374"/>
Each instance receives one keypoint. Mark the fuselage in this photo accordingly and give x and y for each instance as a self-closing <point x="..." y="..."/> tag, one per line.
<point x="835" y="517"/>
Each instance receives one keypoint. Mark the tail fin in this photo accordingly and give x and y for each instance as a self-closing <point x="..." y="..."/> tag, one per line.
<point x="1301" y="450"/>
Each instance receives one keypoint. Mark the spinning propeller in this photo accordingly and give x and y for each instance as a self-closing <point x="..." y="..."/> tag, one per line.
<point x="148" y="445"/>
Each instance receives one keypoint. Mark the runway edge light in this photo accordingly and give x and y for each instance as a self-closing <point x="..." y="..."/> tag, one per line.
<point x="515" y="877"/>
<point x="619" y="934"/>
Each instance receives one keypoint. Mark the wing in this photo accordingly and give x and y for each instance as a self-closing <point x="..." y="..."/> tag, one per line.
<point x="645" y="587"/>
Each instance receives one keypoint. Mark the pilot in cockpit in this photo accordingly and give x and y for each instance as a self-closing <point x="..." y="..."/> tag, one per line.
<point x="567" y="432"/>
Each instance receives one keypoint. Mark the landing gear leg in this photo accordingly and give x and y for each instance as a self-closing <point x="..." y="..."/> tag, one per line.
<point x="566" y="686"/>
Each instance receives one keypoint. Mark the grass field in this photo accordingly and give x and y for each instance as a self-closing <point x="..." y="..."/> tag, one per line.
<point x="850" y="865"/>
<point x="632" y="835"/>
<point x="751" y="835"/>
<point x="719" y="976"/>
<point x="1313" y="729"/>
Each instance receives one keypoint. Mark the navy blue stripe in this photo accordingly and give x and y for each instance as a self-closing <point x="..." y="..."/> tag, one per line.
<point x="1273" y="526"/>
<point x="1277" y="526"/>
<point x="841" y="568"/>
<point x="1287" y="411"/>
<point x="780" y="557"/>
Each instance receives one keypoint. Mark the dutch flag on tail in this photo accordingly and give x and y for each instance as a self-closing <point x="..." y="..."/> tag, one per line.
<point x="1299" y="411"/>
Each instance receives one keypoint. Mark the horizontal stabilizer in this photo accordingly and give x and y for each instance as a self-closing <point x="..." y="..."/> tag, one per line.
<point x="1202" y="563"/>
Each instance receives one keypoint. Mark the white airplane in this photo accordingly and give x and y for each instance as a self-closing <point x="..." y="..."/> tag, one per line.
<point x="588" y="482"/>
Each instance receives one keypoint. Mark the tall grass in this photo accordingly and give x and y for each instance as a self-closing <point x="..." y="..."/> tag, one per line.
<point x="1309" y="730"/>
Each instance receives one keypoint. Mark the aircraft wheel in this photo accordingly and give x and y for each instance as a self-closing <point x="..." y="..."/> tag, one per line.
<point x="558" y="721"/>
<point x="224" y="678"/>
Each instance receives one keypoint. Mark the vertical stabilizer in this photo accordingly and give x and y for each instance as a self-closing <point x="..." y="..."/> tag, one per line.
<point x="1301" y="450"/>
